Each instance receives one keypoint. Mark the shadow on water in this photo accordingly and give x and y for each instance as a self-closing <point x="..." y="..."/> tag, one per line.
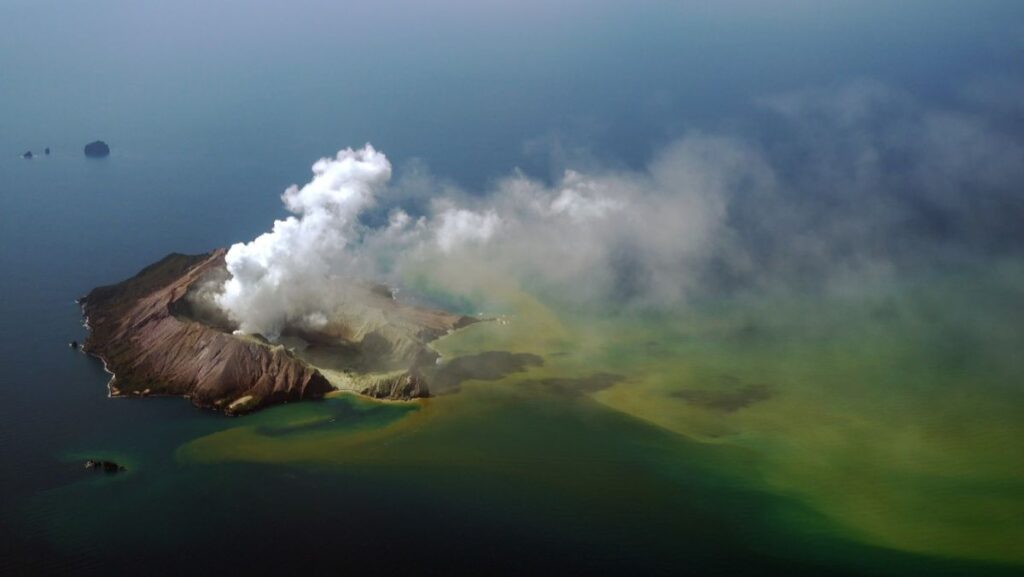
<point x="486" y="366"/>
<point x="577" y="385"/>
<point x="729" y="399"/>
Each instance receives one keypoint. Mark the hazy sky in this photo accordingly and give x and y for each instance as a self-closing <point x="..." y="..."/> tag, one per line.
<point x="474" y="88"/>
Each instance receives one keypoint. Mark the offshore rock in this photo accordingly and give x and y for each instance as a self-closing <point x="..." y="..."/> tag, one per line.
<point x="105" y="466"/>
<point x="97" y="149"/>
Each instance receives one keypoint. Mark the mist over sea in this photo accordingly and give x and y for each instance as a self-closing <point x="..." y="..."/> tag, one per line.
<point x="791" y="348"/>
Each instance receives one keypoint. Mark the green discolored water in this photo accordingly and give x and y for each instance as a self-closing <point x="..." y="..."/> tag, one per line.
<point x="871" y="433"/>
<point x="859" y="434"/>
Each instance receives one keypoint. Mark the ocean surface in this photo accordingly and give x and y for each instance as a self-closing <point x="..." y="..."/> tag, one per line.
<point x="862" y="451"/>
<point x="872" y="434"/>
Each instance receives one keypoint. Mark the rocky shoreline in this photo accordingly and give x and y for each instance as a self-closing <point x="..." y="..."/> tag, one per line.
<point x="137" y="330"/>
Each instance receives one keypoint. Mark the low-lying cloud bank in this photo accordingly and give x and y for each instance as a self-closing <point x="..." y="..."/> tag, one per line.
<point x="838" y="185"/>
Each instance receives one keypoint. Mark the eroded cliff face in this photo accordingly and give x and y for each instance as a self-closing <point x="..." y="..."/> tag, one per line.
<point x="152" y="352"/>
<point x="152" y="334"/>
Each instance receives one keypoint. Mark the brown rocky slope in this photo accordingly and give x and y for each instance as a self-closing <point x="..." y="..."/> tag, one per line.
<point x="137" y="328"/>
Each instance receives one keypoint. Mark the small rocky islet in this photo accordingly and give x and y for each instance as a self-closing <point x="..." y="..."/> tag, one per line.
<point x="97" y="149"/>
<point x="104" y="466"/>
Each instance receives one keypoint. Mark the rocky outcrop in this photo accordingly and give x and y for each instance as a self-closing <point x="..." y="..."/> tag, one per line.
<point x="403" y="386"/>
<point x="159" y="334"/>
<point x="153" y="352"/>
<point x="97" y="149"/>
<point x="105" y="466"/>
<point x="28" y="155"/>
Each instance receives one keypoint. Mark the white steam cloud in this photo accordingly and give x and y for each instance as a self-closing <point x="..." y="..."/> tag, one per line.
<point x="865" y="181"/>
<point x="289" y="274"/>
<point x="589" y="235"/>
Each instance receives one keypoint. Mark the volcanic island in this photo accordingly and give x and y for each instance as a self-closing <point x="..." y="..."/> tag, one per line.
<point x="157" y="335"/>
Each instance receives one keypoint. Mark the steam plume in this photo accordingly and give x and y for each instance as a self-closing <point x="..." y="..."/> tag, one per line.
<point x="866" y="183"/>
<point x="288" y="274"/>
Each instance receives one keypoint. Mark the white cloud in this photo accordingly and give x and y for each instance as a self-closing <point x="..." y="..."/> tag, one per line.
<point x="862" y="180"/>
<point x="287" y="274"/>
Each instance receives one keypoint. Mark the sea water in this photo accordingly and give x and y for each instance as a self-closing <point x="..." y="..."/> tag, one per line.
<point x="801" y="434"/>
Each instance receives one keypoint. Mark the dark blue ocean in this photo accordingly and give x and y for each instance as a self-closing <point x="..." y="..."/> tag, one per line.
<point x="211" y="110"/>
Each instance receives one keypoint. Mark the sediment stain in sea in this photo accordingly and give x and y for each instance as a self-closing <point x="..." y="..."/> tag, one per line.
<point x="879" y="419"/>
<point x="865" y="435"/>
